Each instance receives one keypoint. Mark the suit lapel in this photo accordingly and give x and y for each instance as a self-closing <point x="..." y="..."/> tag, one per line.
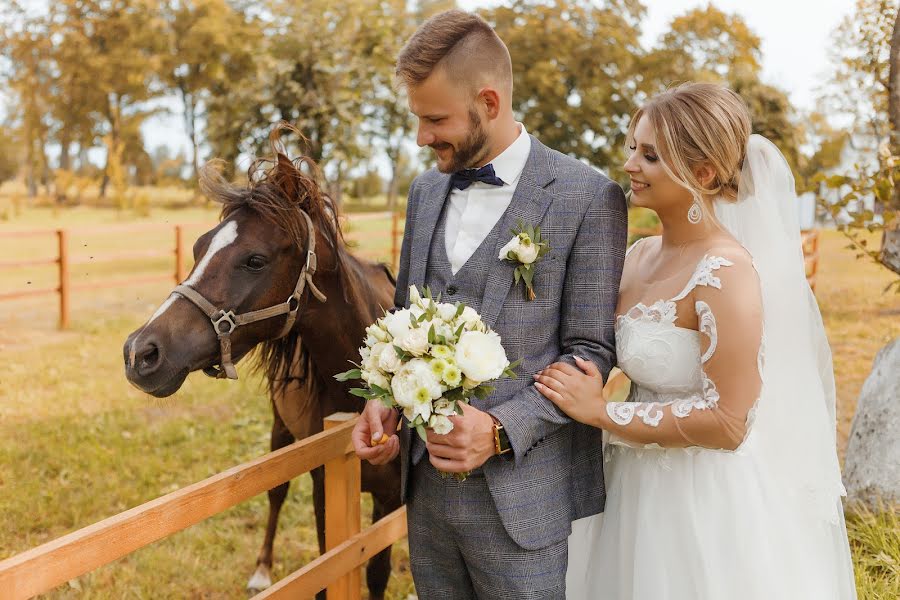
<point x="529" y="203"/>
<point x="432" y="200"/>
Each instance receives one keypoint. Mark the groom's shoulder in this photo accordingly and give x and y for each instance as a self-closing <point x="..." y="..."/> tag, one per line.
<point x="425" y="180"/>
<point x="576" y="175"/>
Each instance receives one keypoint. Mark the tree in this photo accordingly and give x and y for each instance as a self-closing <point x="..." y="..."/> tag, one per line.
<point x="9" y="159"/>
<point x="575" y="72"/>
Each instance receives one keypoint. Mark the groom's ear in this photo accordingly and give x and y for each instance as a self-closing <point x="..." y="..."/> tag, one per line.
<point x="490" y="99"/>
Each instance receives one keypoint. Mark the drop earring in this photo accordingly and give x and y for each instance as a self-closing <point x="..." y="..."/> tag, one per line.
<point x="695" y="212"/>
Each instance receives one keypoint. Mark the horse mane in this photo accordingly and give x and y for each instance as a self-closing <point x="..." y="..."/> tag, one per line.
<point x="276" y="187"/>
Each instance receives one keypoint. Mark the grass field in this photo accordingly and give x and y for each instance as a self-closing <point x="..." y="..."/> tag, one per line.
<point x="78" y="444"/>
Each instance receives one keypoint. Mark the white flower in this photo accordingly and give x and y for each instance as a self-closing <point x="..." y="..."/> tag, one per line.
<point x="397" y="323"/>
<point x="440" y="424"/>
<point x="371" y="340"/>
<point x="375" y="331"/>
<point x="442" y="352"/>
<point x="471" y="318"/>
<point x="438" y="366"/>
<point x="376" y="378"/>
<point x="444" y="407"/>
<point x="414" y="341"/>
<point x="480" y="356"/>
<point x="469" y="384"/>
<point x="409" y="379"/>
<point x="414" y="296"/>
<point x="364" y="352"/>
<point x="452" y="376"/>
<point x="522" y="248"/>
<point x="388" y="360"/>
<point x="446" y="311"/>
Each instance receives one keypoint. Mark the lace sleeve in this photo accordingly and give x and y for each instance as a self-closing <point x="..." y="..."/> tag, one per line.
<point x="729" y="317"/>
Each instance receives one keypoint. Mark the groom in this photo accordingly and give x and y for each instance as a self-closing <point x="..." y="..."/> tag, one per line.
<point x="501" y="533"/>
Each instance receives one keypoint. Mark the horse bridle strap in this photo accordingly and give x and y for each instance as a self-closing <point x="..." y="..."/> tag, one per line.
<point x="224" y="322"/>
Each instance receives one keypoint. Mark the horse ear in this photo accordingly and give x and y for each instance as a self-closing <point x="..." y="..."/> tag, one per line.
<point x="287" y="177"/>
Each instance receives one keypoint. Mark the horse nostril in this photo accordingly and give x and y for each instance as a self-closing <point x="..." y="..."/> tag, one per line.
<point x="148" y="359"/>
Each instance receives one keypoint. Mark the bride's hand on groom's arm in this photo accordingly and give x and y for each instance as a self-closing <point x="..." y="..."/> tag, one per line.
<point x="468" y="445"/>
<point x="578" y="392"/>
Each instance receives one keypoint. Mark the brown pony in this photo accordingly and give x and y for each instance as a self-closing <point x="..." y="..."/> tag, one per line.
<point x="278" y="238"/>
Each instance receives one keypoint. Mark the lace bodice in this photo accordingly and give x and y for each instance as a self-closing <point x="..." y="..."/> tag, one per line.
<point x="677" y="373"/>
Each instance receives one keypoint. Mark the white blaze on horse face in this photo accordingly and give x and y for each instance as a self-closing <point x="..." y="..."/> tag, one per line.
<point x="223" y="238"/>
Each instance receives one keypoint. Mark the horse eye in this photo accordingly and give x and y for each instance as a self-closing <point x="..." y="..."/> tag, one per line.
<point x="256" y="262"/>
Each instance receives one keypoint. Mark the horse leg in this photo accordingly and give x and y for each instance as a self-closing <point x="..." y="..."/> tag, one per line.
<point x="262" y="577"/>
<point x="379" y="568"/>
<point x="318" y="479"/>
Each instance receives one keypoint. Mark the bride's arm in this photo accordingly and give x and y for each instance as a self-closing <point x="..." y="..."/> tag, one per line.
<point x="730" y="320"/>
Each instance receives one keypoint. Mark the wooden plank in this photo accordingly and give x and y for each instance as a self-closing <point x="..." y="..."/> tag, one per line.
<point x="37" y="262"/>
<point x="317" y="575"/>
<point x="47" y="566"/>
<point x="342" y="512"/>
<point x="28" y="293"/>
<point x="119" y="256"/>
<point x="64" y="284"/>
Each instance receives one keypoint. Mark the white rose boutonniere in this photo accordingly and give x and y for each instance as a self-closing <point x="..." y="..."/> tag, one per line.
<point x="525" y="248"/>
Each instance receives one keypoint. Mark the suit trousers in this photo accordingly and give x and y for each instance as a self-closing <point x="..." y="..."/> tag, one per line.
<point x="459" y="549"/>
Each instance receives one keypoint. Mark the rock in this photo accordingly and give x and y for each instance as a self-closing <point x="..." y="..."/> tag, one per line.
<point x="872" y="466"/>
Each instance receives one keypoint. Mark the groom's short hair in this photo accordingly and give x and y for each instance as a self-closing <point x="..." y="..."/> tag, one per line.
<point x="463" y="44"/>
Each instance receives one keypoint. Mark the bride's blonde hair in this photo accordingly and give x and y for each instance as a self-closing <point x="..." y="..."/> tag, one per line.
<point x="695" y="123"/>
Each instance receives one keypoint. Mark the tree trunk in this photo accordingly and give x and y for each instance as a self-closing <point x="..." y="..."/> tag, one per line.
<point x="190" y="122"/>
<point x="890" y="239"/>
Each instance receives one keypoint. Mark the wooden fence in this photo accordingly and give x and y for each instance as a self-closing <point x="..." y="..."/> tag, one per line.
<point x="347" y="547"/>
<point x="64" y="259"/>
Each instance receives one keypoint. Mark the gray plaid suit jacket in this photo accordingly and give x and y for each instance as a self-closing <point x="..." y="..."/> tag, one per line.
<point x="556" y="472"/>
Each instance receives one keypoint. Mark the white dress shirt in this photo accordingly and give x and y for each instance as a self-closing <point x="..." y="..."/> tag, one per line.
<point x="474" y="211"/>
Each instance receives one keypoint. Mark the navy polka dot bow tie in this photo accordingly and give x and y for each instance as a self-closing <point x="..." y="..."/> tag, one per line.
<point x="463" y="179"/>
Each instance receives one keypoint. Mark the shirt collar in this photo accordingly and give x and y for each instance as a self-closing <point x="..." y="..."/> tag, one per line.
<point x="508" y="165"/>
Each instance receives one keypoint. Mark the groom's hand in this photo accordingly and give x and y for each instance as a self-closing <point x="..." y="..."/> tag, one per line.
<point x="467" y="446"/>
<point x="376" y="422"/>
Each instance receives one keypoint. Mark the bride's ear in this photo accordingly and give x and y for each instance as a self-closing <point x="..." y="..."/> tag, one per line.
<point x="705" y="174"/>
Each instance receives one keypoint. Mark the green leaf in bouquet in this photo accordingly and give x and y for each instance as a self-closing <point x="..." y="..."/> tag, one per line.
<point x="528" y="275"/>
<point x="460" y="307"/>
<point x="412" y="321"/>
<point x="483" y="391"/>
<point x="401" y="353"/>
<point x="378" y="390"/>
<point x="518" y="274"/>
<point x="348" y="375"/>
<point x="459" y="330"/>
<point x="388" y="401"/>
<point x="455" y="395"/>
<point x="457" y="409"/>
<point x="431" y="335"/>
<point x="420" y="429"/>
<point x="362" y="393"/>
<point x="427" y="292"/>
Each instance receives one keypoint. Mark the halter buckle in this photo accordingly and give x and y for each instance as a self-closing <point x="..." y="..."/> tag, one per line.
<point x="224" y="317"/>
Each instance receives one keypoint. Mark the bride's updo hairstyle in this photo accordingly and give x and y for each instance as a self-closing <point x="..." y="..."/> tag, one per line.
<point x="697" y="122"/>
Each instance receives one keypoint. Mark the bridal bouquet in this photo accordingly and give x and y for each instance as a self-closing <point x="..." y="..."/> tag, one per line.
<point x="428" y="358"/>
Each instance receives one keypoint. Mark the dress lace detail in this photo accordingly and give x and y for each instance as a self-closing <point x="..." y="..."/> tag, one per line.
<point x="704" y="274"/>
<point x="707" y="324"/>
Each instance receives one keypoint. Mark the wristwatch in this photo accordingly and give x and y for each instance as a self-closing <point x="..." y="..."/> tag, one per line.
<point x="501" y="440"/>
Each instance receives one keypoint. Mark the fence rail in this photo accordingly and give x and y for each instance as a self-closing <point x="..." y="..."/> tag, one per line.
<point x="49" y="565"/>
<point x="64" y="260"/>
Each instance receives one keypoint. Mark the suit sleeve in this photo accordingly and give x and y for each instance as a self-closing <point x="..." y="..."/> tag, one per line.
<point x="402" y="290"/>
<point x="587" y="315"/>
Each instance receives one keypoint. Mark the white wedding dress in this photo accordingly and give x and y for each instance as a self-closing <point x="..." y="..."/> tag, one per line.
<point x="685" y="519"/>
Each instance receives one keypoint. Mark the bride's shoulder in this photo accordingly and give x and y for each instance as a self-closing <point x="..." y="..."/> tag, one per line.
<point x="728" y="264"/>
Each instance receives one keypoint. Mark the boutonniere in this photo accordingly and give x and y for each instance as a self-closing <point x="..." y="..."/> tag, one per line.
<point x="525" y="248"/>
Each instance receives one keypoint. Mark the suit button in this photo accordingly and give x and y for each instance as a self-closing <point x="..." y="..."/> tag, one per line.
<point x="451" y="289"/>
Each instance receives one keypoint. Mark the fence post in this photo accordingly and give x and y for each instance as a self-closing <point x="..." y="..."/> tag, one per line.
<point x="179" y="254"/>
<point x="342" y="513"/>
<point x="395" y="230"/>
<point x="62" y="238"/>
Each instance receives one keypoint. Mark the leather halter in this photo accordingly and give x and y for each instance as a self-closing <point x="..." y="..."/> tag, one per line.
<point x="224" y="322"/>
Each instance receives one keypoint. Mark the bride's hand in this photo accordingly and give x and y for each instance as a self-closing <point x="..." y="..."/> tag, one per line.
<point x="577" y="392"/>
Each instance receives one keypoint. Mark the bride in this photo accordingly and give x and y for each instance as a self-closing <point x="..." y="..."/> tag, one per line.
<point x="722" y="474"/>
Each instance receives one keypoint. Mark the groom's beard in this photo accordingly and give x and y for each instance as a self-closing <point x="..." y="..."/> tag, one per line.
<point x="471" y="150"/>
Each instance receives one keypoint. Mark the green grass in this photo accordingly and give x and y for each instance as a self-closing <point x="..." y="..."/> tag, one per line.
<point x="78" y="444"/>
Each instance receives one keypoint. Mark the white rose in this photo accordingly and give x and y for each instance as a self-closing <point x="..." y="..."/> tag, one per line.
<point x="528" y="251"/>
<point x="376" y="378"/>
<point x="376" y="332"/>
<point x="414" y="341"/>
<point x="511" y="246"/>
<point x="444" y="407"/>
<point x="446" y="311"/>
<point x="440" y="424"/>
<point x="480" y="356"/>
<point x="388" y="360"/>
<point x="414" y="296"/>
<point x="470" y="316"/>
<point x="397" y="323"/>
<point x="364" y="352"/>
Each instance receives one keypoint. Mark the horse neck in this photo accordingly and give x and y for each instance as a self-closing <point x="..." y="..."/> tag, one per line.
<point x="332" y="331"/>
